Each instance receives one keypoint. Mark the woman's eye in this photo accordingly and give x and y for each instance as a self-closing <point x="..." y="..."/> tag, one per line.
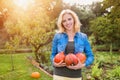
<point x="69" y="19"/>
<point x="63" y="21"/>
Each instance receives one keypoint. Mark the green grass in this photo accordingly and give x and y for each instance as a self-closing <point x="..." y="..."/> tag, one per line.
<point x="22" y="68"/>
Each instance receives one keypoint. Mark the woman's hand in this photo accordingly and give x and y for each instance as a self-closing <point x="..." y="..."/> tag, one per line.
<point x="78" y="66"/>
<point x="60" y="64"/>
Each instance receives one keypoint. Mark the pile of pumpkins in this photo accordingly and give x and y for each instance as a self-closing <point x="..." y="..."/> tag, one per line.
<point x="70" y="58"/>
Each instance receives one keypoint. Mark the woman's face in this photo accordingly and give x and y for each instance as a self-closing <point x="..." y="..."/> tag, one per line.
<point x="68" y="22"/>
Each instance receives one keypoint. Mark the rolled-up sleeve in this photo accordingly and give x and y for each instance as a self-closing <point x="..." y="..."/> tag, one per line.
<point x="88" y="52"/>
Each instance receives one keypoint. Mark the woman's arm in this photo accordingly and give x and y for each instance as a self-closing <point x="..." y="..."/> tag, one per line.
<point x="88" y="52"/>
<point x="54" y="48"/>
<point x="54" y="52"/>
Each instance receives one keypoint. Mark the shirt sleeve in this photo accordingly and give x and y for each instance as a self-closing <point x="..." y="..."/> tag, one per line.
<point x="54" y="48"/>
<point x="88" y="52"/>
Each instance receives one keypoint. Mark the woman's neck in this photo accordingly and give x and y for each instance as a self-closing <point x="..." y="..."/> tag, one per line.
<point x="71" y="35"/>
<point x="70" y="32"/>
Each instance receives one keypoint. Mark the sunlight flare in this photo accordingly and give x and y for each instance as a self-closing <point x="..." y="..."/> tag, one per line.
<point x="81" y="2"/>
<point x="23" y="3"/>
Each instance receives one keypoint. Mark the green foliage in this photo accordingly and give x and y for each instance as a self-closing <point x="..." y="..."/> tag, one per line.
<point x="114" y="73"/>
<point x="92" y="42"/>
<point x="106" y="28"/>
<point x="96" y="72"/>
<point x="13" y="43"/>
<point x="102" y="29"/>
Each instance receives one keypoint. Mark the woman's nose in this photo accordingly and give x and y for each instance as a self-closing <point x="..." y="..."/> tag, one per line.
<point x="67" y="22"/>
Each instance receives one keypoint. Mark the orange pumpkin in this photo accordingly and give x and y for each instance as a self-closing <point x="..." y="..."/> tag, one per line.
<point x="35" y="75"/>
<point x="59" y="57"/>
<point x="71" y="59"/>
<point x="81" y="57"/>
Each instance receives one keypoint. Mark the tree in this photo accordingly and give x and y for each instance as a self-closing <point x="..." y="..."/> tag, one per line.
<point x="113" y="8"/>
<point x="102" y="30"/>
<point x="107" y="28"/>
<point x="85" y="15"/>
<point x="52" y="7"/>
<point x="33" y="27"/>
<point x="56" y="8"/>
<point x="97" y="9"/>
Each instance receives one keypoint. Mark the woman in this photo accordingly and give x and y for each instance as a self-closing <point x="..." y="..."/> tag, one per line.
<point x="69" y="39"/>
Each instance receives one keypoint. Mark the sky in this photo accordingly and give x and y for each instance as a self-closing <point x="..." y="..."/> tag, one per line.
<point x="82" y="2"/>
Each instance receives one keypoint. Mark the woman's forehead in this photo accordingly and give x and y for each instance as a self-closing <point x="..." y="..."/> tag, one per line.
<point x="67" y="15"/>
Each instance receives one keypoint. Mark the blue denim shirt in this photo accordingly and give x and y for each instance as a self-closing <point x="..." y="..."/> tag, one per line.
<point x="81" y="44"/>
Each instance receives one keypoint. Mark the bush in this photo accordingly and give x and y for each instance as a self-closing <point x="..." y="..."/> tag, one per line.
<point x="96" y="72"/>
<point x="114" y="74"/>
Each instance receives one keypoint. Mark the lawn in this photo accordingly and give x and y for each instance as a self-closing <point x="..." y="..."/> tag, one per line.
<point x="22" y="68"/>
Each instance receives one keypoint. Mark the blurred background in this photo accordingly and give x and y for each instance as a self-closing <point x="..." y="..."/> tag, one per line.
<point x="28" y="26"/>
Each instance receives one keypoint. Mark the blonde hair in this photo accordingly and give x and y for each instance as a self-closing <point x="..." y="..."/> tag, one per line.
<point x="77" y="23"/>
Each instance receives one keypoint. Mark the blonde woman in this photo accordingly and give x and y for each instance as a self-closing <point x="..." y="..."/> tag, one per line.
<point x="69" y="39"/>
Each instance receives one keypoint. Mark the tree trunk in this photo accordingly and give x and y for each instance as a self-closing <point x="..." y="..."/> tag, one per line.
<point x="12" y="63"/>
<point x="36" y="55"/>
<point x="111" y="52"/>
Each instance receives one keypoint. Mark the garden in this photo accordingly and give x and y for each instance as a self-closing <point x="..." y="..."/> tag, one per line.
<point x="103" y="68"/>
<point x="28" y="27"/>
